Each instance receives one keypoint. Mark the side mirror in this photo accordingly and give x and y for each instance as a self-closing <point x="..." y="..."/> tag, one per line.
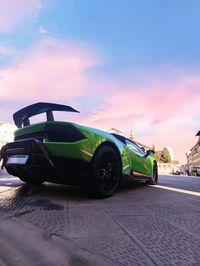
<point x="149" y="153"/>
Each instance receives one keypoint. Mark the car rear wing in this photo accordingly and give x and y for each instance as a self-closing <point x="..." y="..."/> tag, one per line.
<point x="21" y="117"/>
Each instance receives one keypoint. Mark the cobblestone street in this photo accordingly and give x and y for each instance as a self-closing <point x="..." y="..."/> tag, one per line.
<point x="139" y="225"/>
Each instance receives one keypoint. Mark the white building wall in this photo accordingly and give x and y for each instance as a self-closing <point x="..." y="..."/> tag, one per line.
<point x="168" y="168"/>
<point x="6" y="133"/>
<point x="171" y="152"/>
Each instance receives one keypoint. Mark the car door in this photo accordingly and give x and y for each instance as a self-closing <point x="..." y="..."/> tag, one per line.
<point x="140" y="164"/>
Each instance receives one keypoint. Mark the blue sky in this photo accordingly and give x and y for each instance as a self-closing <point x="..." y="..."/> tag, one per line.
<point x="137" y="33"/>
<point x="131" y="63"/>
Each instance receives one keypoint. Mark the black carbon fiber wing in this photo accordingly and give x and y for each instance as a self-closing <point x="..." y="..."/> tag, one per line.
<point x="21" y="117"/>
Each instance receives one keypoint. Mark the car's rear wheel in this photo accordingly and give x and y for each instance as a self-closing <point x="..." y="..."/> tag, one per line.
<point x="32" y="181"/>
<point x="154" y="179"/>
<point x="105" y="172"/>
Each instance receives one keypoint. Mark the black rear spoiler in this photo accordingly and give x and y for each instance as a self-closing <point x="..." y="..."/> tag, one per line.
<point x="21" y="117"/>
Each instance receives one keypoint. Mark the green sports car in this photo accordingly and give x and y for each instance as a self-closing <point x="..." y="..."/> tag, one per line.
<point x="65" y="152"/>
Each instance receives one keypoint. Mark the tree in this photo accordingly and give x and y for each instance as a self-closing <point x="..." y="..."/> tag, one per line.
<point x="165" y="156"/>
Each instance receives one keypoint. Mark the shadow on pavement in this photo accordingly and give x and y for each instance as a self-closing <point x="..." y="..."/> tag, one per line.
<point x="58" y="191"/>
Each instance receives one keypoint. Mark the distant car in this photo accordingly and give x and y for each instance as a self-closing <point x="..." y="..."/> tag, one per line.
<point x="178" y="173"/>
<point x="65" y="152"/>
<point x="195" y="172"/>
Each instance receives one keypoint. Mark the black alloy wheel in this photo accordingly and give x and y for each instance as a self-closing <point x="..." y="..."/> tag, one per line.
<point x="105" y="172"/>
<point x="154" y="179"/>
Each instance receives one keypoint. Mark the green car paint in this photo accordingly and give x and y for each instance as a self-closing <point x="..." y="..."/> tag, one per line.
<point x="58" y="151"/>
<point x="85" y="149"/>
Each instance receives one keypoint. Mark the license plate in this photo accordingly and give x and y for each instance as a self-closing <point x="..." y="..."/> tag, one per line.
<point x="17" y="159"/>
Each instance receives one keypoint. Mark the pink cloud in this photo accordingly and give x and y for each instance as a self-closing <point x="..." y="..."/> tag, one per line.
<point x="13" y="13"/>
<point x="158" y="101"/>
<point x="160" y="110"/>
<point x="6" y="50"/>
<point x="161" y="113"/>
<point x="43" y="30"/>
<point x="51" y="70"/>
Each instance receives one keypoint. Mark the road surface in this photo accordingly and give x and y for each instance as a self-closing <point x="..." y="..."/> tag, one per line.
<point x="140" y="225"/>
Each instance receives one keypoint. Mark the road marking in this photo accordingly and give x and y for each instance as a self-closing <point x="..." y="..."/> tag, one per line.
<point x="194" y="193"/>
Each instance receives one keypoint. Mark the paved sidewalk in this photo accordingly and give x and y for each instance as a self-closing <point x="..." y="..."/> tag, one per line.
<point x="25" y="244"/>
<point x="139" y="225"/>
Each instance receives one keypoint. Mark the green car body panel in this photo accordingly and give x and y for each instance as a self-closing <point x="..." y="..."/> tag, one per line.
<point x="85" y="149"/>
<point x="48" y="142"/>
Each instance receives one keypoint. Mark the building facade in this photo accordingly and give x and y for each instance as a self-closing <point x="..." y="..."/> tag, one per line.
<point x="132" y="137"/>
<point x="6" y="133"/>
<point x="195" y="153"/>
<point x="168" y="168"/>
<point x="193" y="158"/>
<point x="113" y="130"/>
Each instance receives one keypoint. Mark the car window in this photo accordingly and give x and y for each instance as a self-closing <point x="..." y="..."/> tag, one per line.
<point x="132" y="146"/>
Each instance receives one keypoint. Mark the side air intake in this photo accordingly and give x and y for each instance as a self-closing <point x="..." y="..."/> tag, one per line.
<point x="63" y="133"/>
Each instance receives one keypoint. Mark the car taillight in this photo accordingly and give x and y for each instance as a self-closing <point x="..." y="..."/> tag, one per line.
<point x="63" y="133"/>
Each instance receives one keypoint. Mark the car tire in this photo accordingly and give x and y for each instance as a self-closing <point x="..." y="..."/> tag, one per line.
<point x="154" y="179"/>
<point x="32" y="181"/>
<point x="105" y="173"/>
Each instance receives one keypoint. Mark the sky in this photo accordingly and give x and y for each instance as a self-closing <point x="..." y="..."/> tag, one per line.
<point x="122" y="63"/>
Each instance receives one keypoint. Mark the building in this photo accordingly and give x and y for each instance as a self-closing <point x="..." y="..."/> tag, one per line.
<point x="168" y="168"/>
<point x="114" y="131"/>
<point x="195" y="153"/>
<point x="184" y="169"/>
<point x="189" y="161"/>
<point x="193" y="158"/>
<point x="132" y="137"/>
<point x="171" y="152"/>
<point x="6" y="133"/>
